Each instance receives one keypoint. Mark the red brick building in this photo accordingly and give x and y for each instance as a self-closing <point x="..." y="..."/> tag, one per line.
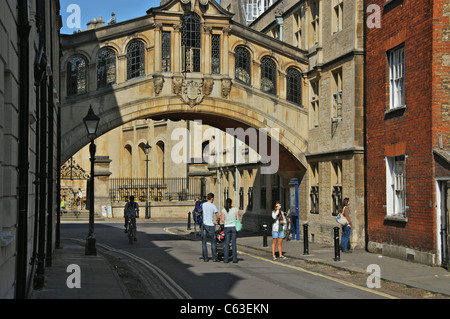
<point x="408" y="128"/>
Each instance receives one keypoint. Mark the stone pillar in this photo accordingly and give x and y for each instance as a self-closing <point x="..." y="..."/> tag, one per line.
<point x="207" y="49"/>
<point x="101" y="174"/>
<point x="176" y="44"/>
<point x="225" y="63"/>
<point x="157" y="54"/>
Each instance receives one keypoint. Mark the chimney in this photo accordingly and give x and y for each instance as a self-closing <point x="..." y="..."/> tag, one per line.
<point x="95" y="24"/>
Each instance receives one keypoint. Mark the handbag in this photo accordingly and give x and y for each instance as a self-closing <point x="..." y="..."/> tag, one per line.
<point x="342" y="220"/>
<point x="238" y="224"/>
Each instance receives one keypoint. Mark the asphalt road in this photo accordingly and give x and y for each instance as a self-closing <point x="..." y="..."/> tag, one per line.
<point x="164" y="265"/>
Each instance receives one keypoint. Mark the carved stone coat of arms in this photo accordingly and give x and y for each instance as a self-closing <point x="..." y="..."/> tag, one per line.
<point x="192" y="92"/>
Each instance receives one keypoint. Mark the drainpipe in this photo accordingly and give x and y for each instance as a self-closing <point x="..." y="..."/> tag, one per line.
<point x="58" y="175"/>
<point x="280" y="21"/>
<point x="42" y="65"/>
<point x="24" y="80"/>
<point x="37" y="83"/>
<point x="50" y="180"/>
<point x="42" y="184"/>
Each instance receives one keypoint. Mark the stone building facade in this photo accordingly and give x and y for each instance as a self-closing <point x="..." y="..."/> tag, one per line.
<point x="331" y="33"/>
<point x="408" y="130"/>
<point x="29" y="112"/>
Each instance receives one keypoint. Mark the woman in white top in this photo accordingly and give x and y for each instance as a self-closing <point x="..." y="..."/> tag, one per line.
<point x="278" y="227"/>
<point x="229" y="215"/>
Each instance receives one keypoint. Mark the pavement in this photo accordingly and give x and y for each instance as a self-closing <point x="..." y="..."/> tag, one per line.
<point x="103" y="282"/>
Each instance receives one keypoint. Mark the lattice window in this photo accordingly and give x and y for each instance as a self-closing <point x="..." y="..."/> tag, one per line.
<point x="215" y="54"/>
<point x="314" y="30"/>
<point x="294" y="86"/>
<point x="242" y="65"/>
<point x="241" y="198"/>
<point x="76" y="76"/>
<point x="268" y="76"/>
<point x="314" y="117"/>
<point x="135" y="59"/>
<point x="337" y="97"/>
<point x="297" y="27"/>
<point x="338" y="7"/>
<point x="336" y="195"/>
<point x="166" y="51"/>
<point x="191" y="42"/>
<point x="250" y="198"/>
<point x="106" y="67"/>
<point x="314" y="191"/>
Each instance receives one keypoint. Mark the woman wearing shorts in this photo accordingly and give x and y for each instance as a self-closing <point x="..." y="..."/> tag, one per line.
<point x="278" y="228"/>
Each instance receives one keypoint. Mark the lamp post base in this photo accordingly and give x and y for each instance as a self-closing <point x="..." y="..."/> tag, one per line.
<point x="90" y="249"/>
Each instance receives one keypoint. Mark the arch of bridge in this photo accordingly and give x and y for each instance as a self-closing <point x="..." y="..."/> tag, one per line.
<point x="242" y="107"/>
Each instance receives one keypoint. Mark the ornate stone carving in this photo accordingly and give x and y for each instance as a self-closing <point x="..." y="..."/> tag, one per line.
<point x="192" y="2"/>
<point x="176" y="85"/>
<point x="208" y="84"/>
<point x="192" y="91"/>
<point x="158" y="83"/>
<point x="226" y="87"/>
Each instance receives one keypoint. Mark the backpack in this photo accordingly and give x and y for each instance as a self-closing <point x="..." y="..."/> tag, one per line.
<point x="197" y="213"/>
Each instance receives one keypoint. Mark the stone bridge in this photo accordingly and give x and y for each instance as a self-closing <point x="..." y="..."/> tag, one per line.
<point x="185" y="61"/>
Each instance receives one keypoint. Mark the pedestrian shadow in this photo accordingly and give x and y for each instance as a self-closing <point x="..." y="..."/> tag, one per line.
<point x="199" y="279"/>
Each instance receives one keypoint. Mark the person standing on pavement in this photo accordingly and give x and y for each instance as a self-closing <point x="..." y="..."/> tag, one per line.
<point x="210" y="215"/>
<point x="228" y="218"/>
<point x="278" y="227"/>
<point x="131" y="210"/>
<point x="79" y="199"/>
<point x="347" y="229"/>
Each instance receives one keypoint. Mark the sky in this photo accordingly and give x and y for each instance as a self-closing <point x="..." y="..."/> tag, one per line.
<point x="87" y="10"/>
<point x="83" y="11"/>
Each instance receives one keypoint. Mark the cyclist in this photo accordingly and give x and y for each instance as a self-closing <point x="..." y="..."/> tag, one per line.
<point x="131" y="210"/>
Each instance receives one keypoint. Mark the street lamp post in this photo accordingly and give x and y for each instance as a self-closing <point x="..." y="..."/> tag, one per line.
<point x="91" y="121"/>
<point x="147" y="149"/>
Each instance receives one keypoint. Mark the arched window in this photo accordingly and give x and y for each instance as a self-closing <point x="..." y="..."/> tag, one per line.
<point x="127" y="162"/>
<point x="160" y="159"/>
<point x="242" y="65"/>
<point x="76" y="76"/>
<point x="135" y="59"/>
<point x="268" y="76"/>
<point x="294" y="86"/>
<point x="191" y="41"/>
<point x="106" y="67"/>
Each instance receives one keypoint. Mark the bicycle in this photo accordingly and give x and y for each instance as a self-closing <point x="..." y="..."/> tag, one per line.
<point x="131" y="231"/>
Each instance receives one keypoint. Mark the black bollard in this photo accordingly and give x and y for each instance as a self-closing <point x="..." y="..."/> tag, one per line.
<point x="337" y="256"/>
<point x="305" y="240"/>
<point x="265" y="236"/>
<point x="189" y="221"/>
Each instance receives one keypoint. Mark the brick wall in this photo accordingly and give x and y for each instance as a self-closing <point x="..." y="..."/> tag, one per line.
<point x="410" y="128"/>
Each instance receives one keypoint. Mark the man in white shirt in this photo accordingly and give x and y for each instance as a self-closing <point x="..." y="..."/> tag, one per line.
<point x="208" y="228"/>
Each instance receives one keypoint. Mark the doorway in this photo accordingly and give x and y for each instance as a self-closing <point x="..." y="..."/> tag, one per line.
<point x="442" y="205"/>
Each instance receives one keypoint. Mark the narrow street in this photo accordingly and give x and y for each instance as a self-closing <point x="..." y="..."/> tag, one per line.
<point x="163" y="265"/>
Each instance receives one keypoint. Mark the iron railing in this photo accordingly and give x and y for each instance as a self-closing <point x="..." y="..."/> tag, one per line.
<point x="159" y="189"/>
